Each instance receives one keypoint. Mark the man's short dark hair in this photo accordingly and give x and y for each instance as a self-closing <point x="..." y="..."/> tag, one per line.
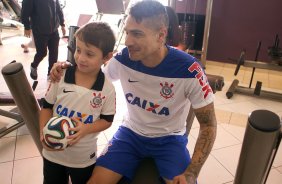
<point x="150" y="10"/>
<point x="98" y="34"/>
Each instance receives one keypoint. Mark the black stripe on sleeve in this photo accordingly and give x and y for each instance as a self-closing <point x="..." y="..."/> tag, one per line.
<point x="109" y="118"/>
<point x="46" y="105"/>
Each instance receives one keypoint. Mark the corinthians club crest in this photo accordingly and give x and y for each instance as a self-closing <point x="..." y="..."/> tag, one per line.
<point x="166" y="90"/>
<point x="97" y="100"/>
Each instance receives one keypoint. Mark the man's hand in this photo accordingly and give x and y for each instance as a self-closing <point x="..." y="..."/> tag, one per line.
<point x="187" y="178"/>
<point x="57" y="70"/>
<point x="27" y="33"/>
<point x="63" y="30"/>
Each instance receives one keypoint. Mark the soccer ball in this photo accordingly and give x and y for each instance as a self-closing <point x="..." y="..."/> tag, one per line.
<point x="56" y="131"/>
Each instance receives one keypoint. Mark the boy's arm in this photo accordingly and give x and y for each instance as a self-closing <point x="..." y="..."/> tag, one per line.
<point x="44" y="116"/>
<point x="57" y="69"/>
<point x="98" y="126"/>
<point x="205" y="141"/>
<point x="84" y="129"/>
<point x="104" y="122"/>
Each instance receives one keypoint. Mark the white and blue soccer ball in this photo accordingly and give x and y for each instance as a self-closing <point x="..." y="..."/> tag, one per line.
<point x="56" y="131"/>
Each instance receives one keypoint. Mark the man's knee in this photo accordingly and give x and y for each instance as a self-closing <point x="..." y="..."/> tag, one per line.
<point x="103" y="175"/>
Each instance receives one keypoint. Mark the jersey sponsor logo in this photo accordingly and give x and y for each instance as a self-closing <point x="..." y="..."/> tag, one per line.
<point x="202" y="78"/>
<point x="67" y="91"/>
<point x="129" y="80"/>
<point x="166" y="90"/>
<point x="64" y="111"/>
<point x="97" y="100"/>
<point x="92" y="155"/>
<point x="146" y="105"/>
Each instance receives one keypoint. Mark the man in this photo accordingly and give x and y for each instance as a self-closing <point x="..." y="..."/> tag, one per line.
<point x="159" y="83"/>
<point x="43" y="17"/>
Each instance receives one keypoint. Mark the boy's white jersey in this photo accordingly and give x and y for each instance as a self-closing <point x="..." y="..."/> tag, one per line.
<point x="87" y="105"/>
<point x="158" y="99"/>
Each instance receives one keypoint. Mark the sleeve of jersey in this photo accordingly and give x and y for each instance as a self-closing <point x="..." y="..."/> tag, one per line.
<point x="198" y="89"/>
<point x="109" y="107"/>
<point x="51" y="95"/>
<point x="111" y="70"/>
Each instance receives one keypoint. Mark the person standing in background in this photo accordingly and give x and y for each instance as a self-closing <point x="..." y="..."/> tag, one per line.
<point x="43" y="17"/>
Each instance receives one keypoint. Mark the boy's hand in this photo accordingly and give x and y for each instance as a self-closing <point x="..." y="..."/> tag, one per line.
<point x="80" y="131"/>
<point x="57" y="70"/>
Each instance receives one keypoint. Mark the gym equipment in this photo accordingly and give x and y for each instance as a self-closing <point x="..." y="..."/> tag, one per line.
<point x="13" y="114"/>
<point x="22" y="93"/>
<point x="109" y="7"/>
<point x="261" y="141"/>
<point x="235" y="88"/>
<point x="71" y="44"/>
<point x="13" y="8"/>
<point x="7" y="99"/>
<point x="117" y="7"/>
<point x="275" y="52"/>
<point x="203" y="51"/>
<point x="10" y="12"/>
<point x="189" y="28"/>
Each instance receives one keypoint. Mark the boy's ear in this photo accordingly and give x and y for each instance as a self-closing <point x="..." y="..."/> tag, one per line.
<point x="108" y="57"/>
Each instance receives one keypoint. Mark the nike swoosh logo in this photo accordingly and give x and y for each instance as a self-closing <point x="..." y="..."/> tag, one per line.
<point x="66" y="91"/>
<point x="129" y="80"/>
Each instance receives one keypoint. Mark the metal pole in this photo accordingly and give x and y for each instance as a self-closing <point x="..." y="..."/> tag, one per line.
<point x="24" y="98"/>
<point x="206" y="32"/>
<point x="259" y="147"/>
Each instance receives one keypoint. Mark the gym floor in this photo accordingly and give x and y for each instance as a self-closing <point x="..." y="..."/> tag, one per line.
<point x="21" y="163"/>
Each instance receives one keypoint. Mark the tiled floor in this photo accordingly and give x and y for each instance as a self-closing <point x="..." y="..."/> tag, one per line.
<point x="21" y="163"/>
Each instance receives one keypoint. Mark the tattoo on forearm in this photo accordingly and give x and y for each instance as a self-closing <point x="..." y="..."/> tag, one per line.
<point x="206" y="116"/>
<point x="205" y="139"/>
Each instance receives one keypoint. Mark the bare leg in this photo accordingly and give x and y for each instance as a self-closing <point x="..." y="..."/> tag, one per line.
<point x="103" y="175"/>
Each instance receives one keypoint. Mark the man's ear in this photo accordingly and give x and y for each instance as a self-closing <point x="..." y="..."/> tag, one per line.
<point x="163" y="34"/>
<point x="108" y="57"/>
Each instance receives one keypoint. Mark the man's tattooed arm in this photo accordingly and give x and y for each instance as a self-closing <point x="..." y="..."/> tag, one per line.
<point x="205" y="141"/>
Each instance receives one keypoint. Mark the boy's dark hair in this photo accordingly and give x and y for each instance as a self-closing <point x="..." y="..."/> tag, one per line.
<point x="150" y="9"/>
<point x="98" y="34"/>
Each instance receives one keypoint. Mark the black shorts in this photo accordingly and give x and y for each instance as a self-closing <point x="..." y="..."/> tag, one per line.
<point x="58" y="174"/>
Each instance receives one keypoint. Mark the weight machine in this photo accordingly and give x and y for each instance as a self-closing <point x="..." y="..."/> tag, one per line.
<point x="10" y="12"/>
<point x="275" y="54"/>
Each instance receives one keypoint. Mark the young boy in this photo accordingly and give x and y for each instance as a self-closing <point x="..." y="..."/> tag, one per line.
<point x="85" y="95"/>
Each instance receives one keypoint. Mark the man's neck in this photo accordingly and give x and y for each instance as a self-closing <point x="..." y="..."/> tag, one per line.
<point x="157" y="58"/>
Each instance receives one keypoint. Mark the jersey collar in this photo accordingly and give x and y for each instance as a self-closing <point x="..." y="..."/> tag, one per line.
<point x="70" y="78"/>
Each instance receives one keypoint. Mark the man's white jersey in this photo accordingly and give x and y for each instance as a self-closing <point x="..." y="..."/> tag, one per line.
<point x="87" y="105"/>
<point x="158" y="99"/>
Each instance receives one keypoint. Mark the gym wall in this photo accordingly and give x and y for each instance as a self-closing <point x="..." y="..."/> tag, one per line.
<point x="235" y="25"/>
<point x="238" y="24"/>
